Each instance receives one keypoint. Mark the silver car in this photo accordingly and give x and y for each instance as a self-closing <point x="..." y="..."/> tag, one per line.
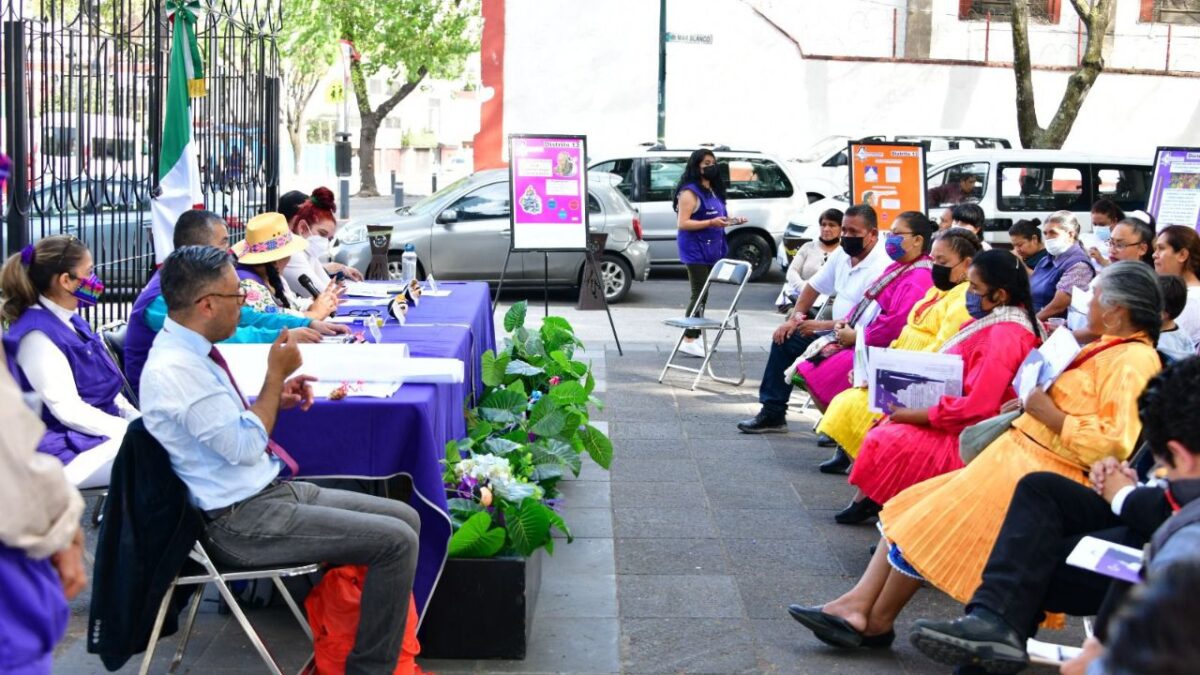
<point x="462" y="232"/>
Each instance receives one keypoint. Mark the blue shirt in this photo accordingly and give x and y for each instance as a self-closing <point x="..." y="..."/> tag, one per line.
<point x="218" y="448"/>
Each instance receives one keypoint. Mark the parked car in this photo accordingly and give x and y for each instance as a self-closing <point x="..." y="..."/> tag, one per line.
<point x="824" y="167"/>
<point x="761" y="189"/>
<point x="463" y="232"/>
<point x="1015" y="185"/>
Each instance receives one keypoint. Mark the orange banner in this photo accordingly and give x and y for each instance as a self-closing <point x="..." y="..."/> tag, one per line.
<point x="888" y="176"/>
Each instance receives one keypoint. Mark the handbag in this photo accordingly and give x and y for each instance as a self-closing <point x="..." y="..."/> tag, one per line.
<point x="973" y="439"/>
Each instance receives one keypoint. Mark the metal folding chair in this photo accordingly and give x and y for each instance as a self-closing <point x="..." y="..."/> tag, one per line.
<point x="729" y="272"/>
<point x="220" y="579"/>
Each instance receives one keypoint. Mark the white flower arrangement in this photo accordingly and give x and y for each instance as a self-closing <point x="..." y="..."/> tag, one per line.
<point x="496" y="472"/>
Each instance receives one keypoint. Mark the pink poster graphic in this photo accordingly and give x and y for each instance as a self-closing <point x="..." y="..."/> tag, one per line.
<point x="549" y="192"/>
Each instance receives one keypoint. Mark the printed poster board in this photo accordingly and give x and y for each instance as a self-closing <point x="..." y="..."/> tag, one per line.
<point x="1175" y="191"/>
<point x="548" y="184"/>
<point x="888" y="176"/>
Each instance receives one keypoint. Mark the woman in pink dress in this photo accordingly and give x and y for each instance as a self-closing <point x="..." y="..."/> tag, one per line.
<point x="916" y="444"/>
<point x="879" y="317"/>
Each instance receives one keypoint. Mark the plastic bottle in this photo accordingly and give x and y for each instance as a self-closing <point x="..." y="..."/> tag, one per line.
<point x="408" y="264"/>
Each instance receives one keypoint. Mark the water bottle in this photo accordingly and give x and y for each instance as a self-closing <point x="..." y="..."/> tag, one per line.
<point x="408" y="264"/>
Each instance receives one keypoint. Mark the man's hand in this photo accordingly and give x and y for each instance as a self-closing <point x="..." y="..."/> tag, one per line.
<point x="351" y="273"/>
<point x="69" y="565"/>
<point x="1116" y="478"/>
<point x="297" y="392"/>
<point x="809" y="328"/>
<point x="305" y="335"/>
<point x="846" y="336"/>
<point x="784" y="331"/>
<point x="284" y="357"/>
<point x="329" y="328"/>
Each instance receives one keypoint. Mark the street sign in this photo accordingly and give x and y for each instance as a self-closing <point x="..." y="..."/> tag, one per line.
<point x="691" y="38"/>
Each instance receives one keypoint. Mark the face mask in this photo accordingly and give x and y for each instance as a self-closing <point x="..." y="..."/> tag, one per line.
<point x="941" y="276"/>
<point x="1058" y="245"/>
<point x="1102" y="232"/>
<point x="89" y="291"/>
<point x="712" y="172"/>
<point x="318" y="246"/>
<point x="975" y="306"/>
<point x="830" y="242"/>
<point x="853" y="246"/>
<point x="894" y="246"/>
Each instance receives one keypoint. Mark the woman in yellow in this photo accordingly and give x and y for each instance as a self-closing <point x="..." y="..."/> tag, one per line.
<point x="932" y="321"/>
<point x="943" y="529"/>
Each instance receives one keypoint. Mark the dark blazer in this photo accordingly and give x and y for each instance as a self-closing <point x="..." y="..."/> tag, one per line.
<point x="148" y="530"/>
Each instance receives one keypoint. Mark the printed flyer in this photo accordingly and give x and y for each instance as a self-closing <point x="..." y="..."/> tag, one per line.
<point x="888" y="176"/>
<point x="549" y="192"/>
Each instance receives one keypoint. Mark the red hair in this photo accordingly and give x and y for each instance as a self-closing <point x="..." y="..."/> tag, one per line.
<point x="319" y="206"/>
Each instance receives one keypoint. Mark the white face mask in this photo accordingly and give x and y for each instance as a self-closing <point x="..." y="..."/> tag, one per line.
<point x="1058" y="245"/>
<point x="318" y="247"/>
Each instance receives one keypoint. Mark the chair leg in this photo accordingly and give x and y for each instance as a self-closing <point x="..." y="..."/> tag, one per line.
<point x="246" y="627"/>
<point x="291" y="603"/>
<point x="186" y="634"/>
<point x="671" y="357"/>
<point x="157" y="630"/>
<point x="708" y="363"/>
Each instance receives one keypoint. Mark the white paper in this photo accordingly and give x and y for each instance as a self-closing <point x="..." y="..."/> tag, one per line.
<point x="1077" y="313"/>
<point x="437" y="294"/>
<point x="361" y="302"/>
<point x="1051" y="359"/>
<point x="1178" y="207"/>
<point x="1107" y="558"/>
<point x="860" y="364"/>
<point x="323" y="388"/>
<point x="388" y="362"/>
<point x="1049" y="654"/>
<point x="365" y="289"/>
<point x="431" y="283"/>
<point x="898" y="378"/>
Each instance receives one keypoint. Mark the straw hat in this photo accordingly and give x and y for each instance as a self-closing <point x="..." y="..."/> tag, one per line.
<point x="267" y="239"/>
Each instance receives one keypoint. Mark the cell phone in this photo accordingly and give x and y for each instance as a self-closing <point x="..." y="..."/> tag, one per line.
<point x="339" y="276"/>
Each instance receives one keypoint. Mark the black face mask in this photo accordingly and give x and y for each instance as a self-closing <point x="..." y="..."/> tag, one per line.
<point x="830" y="242"/>
<point x="711" y="172"/>
<point x="941" y="277"/>
<point x="853" y="246"/>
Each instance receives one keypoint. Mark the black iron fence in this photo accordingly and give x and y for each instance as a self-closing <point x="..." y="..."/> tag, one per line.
<point x="84" y="82"/>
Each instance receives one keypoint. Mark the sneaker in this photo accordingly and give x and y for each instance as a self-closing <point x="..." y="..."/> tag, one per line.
<point x="762" y="424"/>
<point x="692" y="348"/>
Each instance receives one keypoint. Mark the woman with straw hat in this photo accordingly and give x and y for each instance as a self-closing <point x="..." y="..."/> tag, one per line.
<point x="261" y="256"/>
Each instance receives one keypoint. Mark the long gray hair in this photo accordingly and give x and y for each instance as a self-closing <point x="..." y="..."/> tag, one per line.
<point x="1134" y="286"/>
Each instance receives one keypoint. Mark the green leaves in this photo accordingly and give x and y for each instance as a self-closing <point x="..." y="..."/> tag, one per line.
<point x="528" y="525"/>
<point x="502" y="406"/>
<point x="598" y="446"/>
<point x="552" y="450"/>
<point x="514" y="318"/>
<point x="551" y="424"/>
<point x="500" y="446"/>
<point x="494" y="368"/>
<point x="519" y="367"/>
<point x="568" y="392"/>
<point x="477" y="538"/>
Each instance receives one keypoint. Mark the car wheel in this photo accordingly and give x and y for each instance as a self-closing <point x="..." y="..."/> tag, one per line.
<point x="616" y="276"/>
<point x="753" y="249"/>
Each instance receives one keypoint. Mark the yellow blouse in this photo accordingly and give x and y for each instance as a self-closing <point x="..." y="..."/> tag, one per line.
<point x="1099" y="399"/>
<point x="930" y="325"/>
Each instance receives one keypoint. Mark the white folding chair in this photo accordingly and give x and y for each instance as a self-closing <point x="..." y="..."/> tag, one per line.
<point x="726" y="271"/>
<point x="220" y="579"/>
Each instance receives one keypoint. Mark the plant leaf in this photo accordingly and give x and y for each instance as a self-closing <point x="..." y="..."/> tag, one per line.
<point x="476" y="538"/>
<point x="544" y="405"/>
<point x="534" y="346"/>
<point x="569" y="392"/>
<point x="493" y="368"/>
<point x="551" y="423"/>
<point x="558" y="522"/>
<point x="503" y="406"/>
<point x="528" y="525"/>
<point x="547" y="472"/>
<point x="500" y="446"/>
<point x="548" y="450"/>
<point x="519" y="367"/>
<point x="597" y="445"/>
<point x="463" y="508"/>
<point x="514" y="318"/>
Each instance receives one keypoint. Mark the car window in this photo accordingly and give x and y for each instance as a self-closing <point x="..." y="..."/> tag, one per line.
<point x="981" y="171"/>
<point x="594" y="204"/>
<point x="1126" y="185"/>
<point x="664" y="176"/>
<point x="622" y="168"/>
<point x="840" y="159"/>
<point x="1043" y="188"/>
<point x="756" y="178"/>
<point x="487" y="202"/>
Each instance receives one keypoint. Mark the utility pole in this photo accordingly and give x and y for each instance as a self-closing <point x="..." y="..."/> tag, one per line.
<point x="662" y="72"/>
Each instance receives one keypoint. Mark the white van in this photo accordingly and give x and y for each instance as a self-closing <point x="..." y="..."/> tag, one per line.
<point x="824" y="167"/>
<point x="1015" y="185"/>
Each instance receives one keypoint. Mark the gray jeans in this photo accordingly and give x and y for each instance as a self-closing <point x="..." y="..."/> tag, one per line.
<point x="299" y="523"/>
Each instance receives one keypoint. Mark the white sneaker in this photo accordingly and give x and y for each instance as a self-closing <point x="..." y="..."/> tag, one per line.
<point x="692" y="348"/>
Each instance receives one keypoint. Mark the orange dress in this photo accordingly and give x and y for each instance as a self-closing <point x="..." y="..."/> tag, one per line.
<point x="945" y="527"/>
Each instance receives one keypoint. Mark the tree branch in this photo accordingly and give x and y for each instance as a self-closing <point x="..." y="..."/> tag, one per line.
<point x="1084" y="9"/>
<point x="394" y="100"/>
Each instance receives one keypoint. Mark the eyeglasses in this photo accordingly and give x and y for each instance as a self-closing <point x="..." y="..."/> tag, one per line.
<point x="1120" y="245"/>
<point x="364" y="312"/>
<point x="240" y="295"/>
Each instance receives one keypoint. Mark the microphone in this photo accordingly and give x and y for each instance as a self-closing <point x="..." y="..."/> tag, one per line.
<point x="308" y="285"/>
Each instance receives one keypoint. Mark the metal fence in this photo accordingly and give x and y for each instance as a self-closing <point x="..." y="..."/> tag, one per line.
<point x="84" y="82"/>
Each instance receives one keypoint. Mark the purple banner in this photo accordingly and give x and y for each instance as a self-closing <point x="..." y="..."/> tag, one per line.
<point x="1175" y="195"/>
<point x="549" y="192"/>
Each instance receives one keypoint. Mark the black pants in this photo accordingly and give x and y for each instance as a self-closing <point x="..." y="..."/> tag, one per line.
<point x="1027" y="574"/>
<point x="697" y="275"/>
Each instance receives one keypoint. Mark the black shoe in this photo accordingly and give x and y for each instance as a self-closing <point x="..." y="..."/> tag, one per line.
<point x="980" y="639"/>
<point x="858" y="512"/>
<point x="838" y="464"/>
<point x="763" y="424"/>
<point x="824" y="441"/>
<point x="835" y="631"/>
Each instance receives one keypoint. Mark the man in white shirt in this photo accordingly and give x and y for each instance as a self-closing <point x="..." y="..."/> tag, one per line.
<point x="220" y="448"/>
<point x="848" y="273"/>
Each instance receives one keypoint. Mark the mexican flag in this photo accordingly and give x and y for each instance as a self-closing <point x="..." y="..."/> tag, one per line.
<point x="178" y="163"/>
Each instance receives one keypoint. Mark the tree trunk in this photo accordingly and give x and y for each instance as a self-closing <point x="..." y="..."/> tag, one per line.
<point x="368" y="130"/>
<point x="297" y="146"/>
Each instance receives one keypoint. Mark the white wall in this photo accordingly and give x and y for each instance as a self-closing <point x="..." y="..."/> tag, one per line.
<point x="575" y="66"/>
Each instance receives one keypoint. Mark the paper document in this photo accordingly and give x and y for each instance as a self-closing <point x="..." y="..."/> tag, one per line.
<point x="363" y="289"/>
<point x="362" y="302"/>
<point x="898" y="378"/>
<point x="1047" y="654"/>
<point x="860" y="364"/>
<point x="1107" y="558"/>
<point x="1077" y="313"/>
<point x="1043" y="365"/>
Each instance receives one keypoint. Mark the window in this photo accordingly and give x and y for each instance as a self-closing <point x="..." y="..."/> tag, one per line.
<point x="1128" y="186"/>
<point x="664" y="176"/>
<point x="1185" y="12"/>
<point x="1043" y="188"/>
<point x="58" y="141"/>
<point x="1041" y="11"/>
<point x="622" y="168"/>
<point x="840" y="159"/>
<point x="594" y="204"/>
<point x="756" y="178"/>
<point x="941" y="195"/>
<point x="488" y="202"/>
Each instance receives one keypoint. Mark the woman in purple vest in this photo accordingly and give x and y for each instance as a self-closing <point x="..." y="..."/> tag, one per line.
<point x="53" y="353"/>
<point x="1066" y="268"/>
<point x="700" y="203"/>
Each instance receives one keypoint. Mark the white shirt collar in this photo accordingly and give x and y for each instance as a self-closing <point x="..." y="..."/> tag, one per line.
<point x="56" y="309"/>
<point x="187" y="337"/>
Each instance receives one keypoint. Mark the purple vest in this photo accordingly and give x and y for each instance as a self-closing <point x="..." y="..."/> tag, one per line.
<point x="707" y="246"/>
<point x="96" y="376"/>
<point x="1049" y="271"/>
<point x="138" y="336"/>
<point x="33" y="612"/>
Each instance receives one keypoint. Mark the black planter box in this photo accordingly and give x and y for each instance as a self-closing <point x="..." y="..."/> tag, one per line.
<point x="482" y="609"/>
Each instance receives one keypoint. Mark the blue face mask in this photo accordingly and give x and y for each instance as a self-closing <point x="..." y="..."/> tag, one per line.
<point x="894" y="246"/>
<point x="975" y="305"/>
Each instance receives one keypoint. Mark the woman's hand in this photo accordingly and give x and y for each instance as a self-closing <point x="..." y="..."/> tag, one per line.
<point x="719" y="222"/>
<point x="917" y="416"/>
<point x="847" y="336"/>
<point x="1099" y="257"/>
<point x="736" y="220"/>
<point x="1042" y="407"/>
<point x="324" y="305"/>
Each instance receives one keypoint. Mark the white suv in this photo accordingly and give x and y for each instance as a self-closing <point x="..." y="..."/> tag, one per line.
<point x="761" y="188"/>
